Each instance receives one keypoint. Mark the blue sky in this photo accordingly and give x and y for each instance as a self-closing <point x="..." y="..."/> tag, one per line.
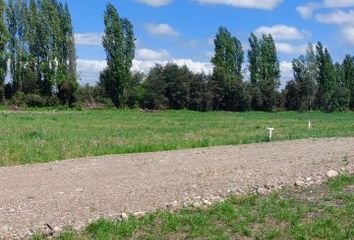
<point x="182" y="30"/>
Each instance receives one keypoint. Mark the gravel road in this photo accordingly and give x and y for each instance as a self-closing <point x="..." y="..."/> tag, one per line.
<point x="75" y="192"/>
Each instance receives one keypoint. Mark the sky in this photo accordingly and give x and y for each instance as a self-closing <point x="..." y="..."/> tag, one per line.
<point x="182" y="31"/>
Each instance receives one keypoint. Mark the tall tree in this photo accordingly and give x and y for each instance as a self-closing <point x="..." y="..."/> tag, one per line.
<point x="227" y="76"/>
<point x="326" y="79"/>
<point x="66" y="80"/>
<point x="312" y="72"/>
<point x="118" y="41"/>
<point x="129" y="54"/>
<point x="269" y="72"/>
<point x="11" y="17"/>
<point x="348" y="75"/>
<point x="254" y="54"/>
<point x="3" y="54"/>
<point x="305" y="73"/>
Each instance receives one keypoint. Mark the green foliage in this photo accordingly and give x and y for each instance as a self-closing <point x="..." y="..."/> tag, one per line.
<point x="18" y="99"/>
<point x="41" y="48"/>
<point x="34" y="100"/>
<point x="264" y="72"/>
<point x="229" y="54"/>
<point x="199" y="99"/>
<point x="119" y="45"/>
<point x="226" y="84"/>
<point x="291" y="95"/>
<point x="338" y="100"/>
<point x="269" y="72"/>
<point x="3" y="54"/>
<point x="348" y="77"/>
<point x="326" y="79"/>
<point x="92" y="97"/>
<point x="154" y="89"/>
<point x="300" y="93"/>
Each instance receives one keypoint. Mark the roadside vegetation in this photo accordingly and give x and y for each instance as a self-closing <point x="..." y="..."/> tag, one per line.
<point x="318" y="212"/>
<point x="43" y="136"/>
<point x="37" y="53"/>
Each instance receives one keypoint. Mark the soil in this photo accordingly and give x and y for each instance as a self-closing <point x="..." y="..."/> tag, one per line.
<point x="76" y="192"/>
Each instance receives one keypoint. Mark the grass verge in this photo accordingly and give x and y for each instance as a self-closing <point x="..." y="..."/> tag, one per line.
<point x="319" y="212"/>
<point x="43" y="136"/>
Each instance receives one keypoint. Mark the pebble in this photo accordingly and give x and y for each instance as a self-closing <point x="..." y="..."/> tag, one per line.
<point x="299" y="183"/>
<point x="197" y="204"/>
<point x="139" y="214"/>
<point x="309" y="179"/>
<point x="124" y="216"/>
<point x="206" y="202"/>
<point x="332" y="174"/>
<point x="173" y="205"/>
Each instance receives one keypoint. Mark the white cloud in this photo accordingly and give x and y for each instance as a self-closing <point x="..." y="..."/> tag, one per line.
<point x="348" y="34"/>
<point x="338" y="3"/>
<point x="282" y="32"/>
<point x="194" y="66"/>
<point x="306" y="11"/>
<point x="260" y="4"/>
<point x="88" y="39"/>
<point x="337" y="17"/>
<point x="89" y="70"/>
<point x="155" y="3"/>
<point x="286" y="69"/>
<point x="290" y="49"/>
<point x="148" y="54"/>
<point x="161" y="29"/>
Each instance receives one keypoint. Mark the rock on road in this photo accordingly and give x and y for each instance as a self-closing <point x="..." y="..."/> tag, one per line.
<point x="75" y="192"/>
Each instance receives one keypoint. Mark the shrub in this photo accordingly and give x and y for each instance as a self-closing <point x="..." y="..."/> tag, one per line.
<point x="52" y="101"/>
<point x="18" y="99"/>
<point x="34" y="100"/>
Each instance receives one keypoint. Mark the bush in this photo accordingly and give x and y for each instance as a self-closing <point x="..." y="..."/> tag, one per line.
<point x="338" y="100"/>
<point x="34" y="100"/>
<point x="18" y="99"/>
<point x="52" y="101"/>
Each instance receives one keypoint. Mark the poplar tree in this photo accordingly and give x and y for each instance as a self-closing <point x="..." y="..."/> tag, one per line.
<point x="326" y="79"/>
<point x="119" y="44"/>
<point x="227" y="77"/>
<point x="254" y="54"/>
<point x="305" y="73"/>
<point x="66" y="80"/>
<point x="269" y="72"/>
<point x="348" y="75"/>
<point x="3" y="54"/>
<point x="129" y="54"/>
<point x="12" y="46"/>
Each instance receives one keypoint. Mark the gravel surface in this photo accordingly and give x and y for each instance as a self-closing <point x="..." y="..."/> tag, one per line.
<point x="76" y="192"/>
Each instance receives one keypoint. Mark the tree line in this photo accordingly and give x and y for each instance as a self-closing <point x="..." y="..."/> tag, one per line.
<point x="37" y="49"/>
<point x="37" y="42"/>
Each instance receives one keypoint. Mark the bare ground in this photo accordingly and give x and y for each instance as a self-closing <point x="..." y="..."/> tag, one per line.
<point x="75" y="192"/>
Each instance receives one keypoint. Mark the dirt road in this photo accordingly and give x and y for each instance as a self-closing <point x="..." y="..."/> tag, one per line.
<point x="75" y="192"/>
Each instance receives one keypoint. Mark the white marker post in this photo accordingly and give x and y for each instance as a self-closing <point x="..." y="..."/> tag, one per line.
<point x="310" y="125"/>
<point x="270" y="133"/>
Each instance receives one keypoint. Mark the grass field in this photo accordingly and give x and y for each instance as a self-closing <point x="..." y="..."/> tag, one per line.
<point x="318" y="212"/>
<point x="44" y="136"/>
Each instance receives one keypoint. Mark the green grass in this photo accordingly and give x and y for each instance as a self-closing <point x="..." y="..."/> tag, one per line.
<point x="43" y="136"/>
<point x="319" y="212"/>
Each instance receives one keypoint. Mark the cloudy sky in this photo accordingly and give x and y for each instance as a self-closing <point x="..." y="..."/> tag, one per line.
<point x="182" y="31"/>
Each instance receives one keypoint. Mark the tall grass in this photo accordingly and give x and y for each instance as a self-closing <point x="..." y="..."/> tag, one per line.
<point x="44" y="136"/>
